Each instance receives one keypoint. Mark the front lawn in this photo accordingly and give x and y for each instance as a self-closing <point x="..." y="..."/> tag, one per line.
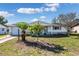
<point x="13" y="48"/>
<point x="2" y="36"/>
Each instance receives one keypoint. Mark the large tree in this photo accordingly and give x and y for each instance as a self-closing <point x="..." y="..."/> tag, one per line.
<point x="23" y="26"/>
<point x="55" y="20"/>
<point x="3" y="21"/>
<point x="67" y="20"/>
<point x="36" y="29"/>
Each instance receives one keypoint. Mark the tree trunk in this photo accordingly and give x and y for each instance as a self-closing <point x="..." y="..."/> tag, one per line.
<point x="18" y="35"/>
<point x="37" y="37"/>
<point x="69" y="31"/>
<point x="23" y="35"/>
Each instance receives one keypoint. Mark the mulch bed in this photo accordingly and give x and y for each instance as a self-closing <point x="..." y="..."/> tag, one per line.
<point x="45" y="46"/>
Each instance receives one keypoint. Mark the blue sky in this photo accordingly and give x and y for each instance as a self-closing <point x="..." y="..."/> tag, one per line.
<point x="29" y="12"/>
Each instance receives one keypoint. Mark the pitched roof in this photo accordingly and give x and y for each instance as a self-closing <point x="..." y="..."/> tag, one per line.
<point x="47" y="24"/>
<point x="75" y="23"/>
<point x="2" y="26"/>
<point x="39" y="22"/>
<point x="11" y="25"/>
<point x="56" y="24"/>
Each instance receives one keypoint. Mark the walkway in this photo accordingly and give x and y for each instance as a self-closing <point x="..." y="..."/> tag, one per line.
<point x="8" y="37"/>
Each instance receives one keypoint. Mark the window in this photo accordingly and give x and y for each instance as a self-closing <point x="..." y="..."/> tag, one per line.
<point x="7" y="30"/>
<point x="2" y="29"/>
<point x="56" y="27"/>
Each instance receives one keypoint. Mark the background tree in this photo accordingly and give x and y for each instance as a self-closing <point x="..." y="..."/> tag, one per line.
<point x="67" y="20"/>
<point x="36" y="29"/>
<point x="23" y="26"/>
<point x="3" y="21"/>
<point x="55" y="20"/>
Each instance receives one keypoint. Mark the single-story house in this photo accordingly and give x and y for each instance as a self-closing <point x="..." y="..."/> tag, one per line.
<point x="3" y="29"/>
<point x="51" y="29"/>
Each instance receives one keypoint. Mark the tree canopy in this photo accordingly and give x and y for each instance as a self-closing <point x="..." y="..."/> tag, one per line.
<point x="3" y="20"/>
<point x="36" y="29"/>
<point x="66" y="19"/>
<point x="22" y="25"/>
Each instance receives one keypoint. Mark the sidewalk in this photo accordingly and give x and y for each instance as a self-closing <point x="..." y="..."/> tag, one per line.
<point x="8" y="37"/>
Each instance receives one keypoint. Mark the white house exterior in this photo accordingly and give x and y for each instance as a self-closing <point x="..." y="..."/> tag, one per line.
<point x="3" y="29"/>
<point x="49" y="29"/>
<point x="56" y="29"/>
<point x="75" y="29"/>
<point x="13" y="30"/>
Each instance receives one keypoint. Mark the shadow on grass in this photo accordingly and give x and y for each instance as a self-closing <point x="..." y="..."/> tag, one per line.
<point x="74" y="34"/>
<point x="77" y="35"/>
<point x="46" y="46"/>
<point x="52" y="36"/>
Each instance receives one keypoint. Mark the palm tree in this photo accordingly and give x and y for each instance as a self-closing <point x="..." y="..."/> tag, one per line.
<point x="23" y="26"/>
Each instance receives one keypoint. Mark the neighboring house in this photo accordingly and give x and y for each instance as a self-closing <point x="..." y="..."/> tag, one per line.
<point x="3" y="29"/>
<point x="75" y="28"/>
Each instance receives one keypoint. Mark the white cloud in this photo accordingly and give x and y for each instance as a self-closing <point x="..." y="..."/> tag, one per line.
<point x="52" y="4"/>
<point x="29" y="10"/>
<point x="35" y="20"/>
<point x="5" y="14"/>
<point x="48" y="7"/>
<point x="51" y="7"/>
<point x="42" y="17"/>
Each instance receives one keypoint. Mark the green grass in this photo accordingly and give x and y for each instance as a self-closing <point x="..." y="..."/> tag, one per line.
<point x="1" y="36"/>
<point x="13" y="48"/>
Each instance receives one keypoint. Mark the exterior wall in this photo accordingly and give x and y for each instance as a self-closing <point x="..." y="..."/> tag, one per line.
<point x="48" y="30"/>
<point x="62" y="30"/>
<point x="3" y="29"/>
<point x="14" y="31"/>
<point x="75" y="29"/>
